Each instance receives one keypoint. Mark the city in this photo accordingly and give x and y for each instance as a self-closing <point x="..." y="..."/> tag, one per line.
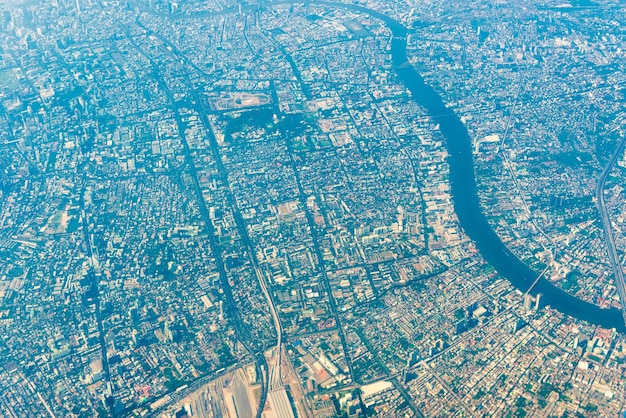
<point x="312" y="209"/>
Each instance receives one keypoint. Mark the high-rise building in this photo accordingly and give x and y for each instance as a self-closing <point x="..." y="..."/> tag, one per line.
<point x="528" y="302"/>
<point x="517" y="325"/>
<point x="539" y="301"/>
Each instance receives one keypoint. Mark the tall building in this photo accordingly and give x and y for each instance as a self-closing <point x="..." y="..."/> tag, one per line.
<point x="528" y="302"/>
<point x="517" y="325"/>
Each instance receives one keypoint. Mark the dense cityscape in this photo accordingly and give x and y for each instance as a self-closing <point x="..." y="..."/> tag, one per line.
<point x="236" y="209"/>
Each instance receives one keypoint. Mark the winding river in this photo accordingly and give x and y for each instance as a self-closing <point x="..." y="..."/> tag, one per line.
<point x="464" y="191"/>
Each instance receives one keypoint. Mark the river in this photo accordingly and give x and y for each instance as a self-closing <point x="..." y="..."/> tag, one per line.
<point x="464" y="191"/>
<point x="467" y="205"/>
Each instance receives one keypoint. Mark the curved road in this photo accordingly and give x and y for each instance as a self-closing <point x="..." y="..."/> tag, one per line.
<point x="618" y="270"/>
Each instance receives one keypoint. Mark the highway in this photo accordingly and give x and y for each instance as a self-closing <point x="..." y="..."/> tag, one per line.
<point x="241" y="330"/>
<point x="94" y="278"/>
<point x="274" y="380"/>
<point x="618" y="270"/>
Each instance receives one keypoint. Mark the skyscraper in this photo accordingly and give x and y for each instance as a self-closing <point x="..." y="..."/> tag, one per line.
<point x="528" y="301"/>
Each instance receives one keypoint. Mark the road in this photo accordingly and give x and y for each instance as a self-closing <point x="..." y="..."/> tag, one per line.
<point x="94" y="291"/>
<point x="232" y="310"/>
<point x="275" y="379"/>
<point x="618" y="270"/>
